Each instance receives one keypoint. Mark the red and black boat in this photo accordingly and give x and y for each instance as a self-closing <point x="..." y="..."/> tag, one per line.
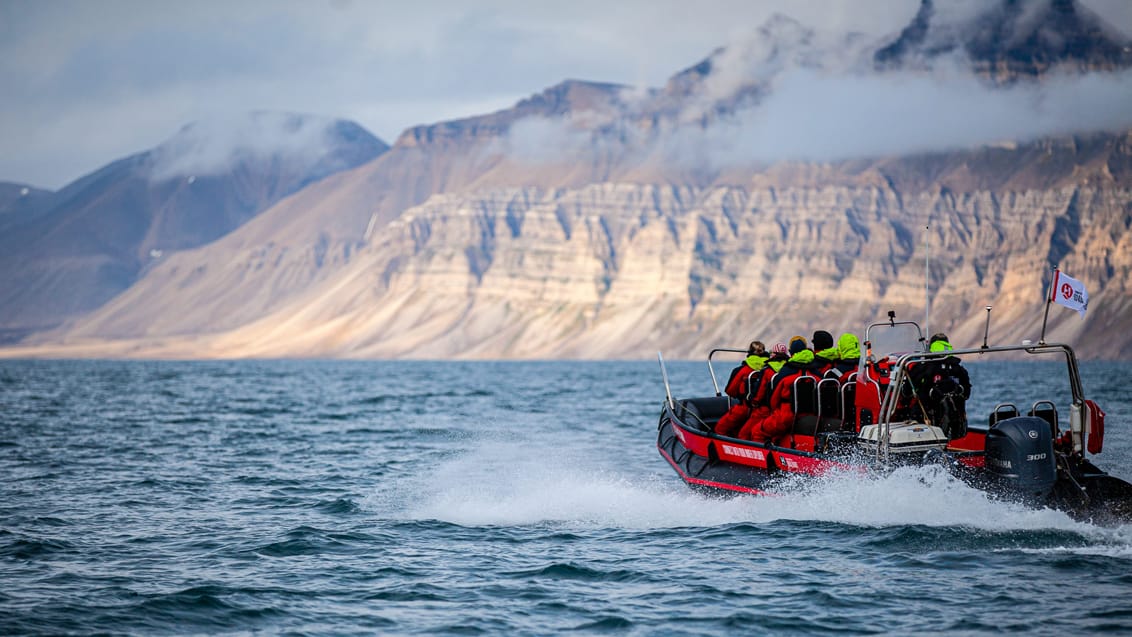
<point x="868" y="421"/>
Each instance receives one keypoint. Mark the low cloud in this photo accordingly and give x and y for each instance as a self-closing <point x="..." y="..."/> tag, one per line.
<point x="543" y="140"/>
<point x="214" y="146"/>
<point x="810" y="114"/>
<point x="817" y="117"/>
<point x="87" y="83"/>
<point x="788" y="91"/>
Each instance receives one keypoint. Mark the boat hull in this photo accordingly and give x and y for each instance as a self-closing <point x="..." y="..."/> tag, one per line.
<point x="721" y="466"/>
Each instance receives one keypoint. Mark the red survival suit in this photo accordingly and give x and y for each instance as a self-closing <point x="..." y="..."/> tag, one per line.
<point x="758" y="395"/>
<point x="777" y="399"/>
<point x="824" y="361"/>
<point x="742" y="385"/>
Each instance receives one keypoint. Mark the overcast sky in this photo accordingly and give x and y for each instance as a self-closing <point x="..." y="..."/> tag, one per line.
<point x="87" y="82"/>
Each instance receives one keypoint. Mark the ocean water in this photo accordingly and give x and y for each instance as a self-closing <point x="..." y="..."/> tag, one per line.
<point x="519" y="498"/>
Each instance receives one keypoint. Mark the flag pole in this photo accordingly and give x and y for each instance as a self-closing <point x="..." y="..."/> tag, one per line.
<point x="1049" y="299"/>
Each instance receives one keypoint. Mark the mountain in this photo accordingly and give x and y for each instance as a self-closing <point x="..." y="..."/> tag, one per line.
<point x="1010" y="40"/>
<point x="618" y="269"/>
<point x="295" y="246"/>
<point x="20" y="202"/>
<point x="593" y="220"/>
<point x="93" y="239"/>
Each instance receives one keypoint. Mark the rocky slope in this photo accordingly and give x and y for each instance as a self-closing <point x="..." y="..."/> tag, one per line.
<point x="19" y="203"/>
<point x="71" y="251"/>
<point x="1008" y="41"/>
<point x="625" y="269"/>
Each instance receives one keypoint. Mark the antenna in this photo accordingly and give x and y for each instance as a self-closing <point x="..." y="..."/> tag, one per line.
<point x="927" y="278"/>
<point x="667" y="389"/>
<point x="986" y="330"/>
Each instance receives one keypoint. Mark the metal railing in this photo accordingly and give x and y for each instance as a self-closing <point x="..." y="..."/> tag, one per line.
<point x="899" y="375"/>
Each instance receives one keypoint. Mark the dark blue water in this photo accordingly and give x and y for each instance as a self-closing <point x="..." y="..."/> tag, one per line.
<point x="494" y="498"/>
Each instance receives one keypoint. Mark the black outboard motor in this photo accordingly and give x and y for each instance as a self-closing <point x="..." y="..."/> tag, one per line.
<point x="1020" y="457"/>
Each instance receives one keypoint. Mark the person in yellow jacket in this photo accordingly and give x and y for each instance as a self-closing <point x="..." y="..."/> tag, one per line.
<point x="847" y="359"/>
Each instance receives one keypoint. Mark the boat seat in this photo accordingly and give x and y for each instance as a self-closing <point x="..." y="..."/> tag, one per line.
<point x="848" y="403"/>
<point x="753" y="385"/>
<point x="1002" y="411"/>
<point x="867" y="399"/>
<point x="806" y="408"/>
<point x="703" y="412"/>
<point x="829" y="405"/>
<point x="1047" y="411"/>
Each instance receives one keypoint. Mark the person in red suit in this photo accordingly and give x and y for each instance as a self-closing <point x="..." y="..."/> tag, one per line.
<point x="778" y="395"/>
<point x="825" y="352"/>
<point x="741" y="386"/>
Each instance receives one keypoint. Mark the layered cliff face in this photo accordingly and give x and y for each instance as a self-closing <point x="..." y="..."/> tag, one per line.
<point x="622" y="270"/>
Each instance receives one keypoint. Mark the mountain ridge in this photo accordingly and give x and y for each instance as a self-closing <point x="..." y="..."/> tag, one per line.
<point x="1014" y="42"/>
<point x="610" y="275"/>
<point x="90" y="240"/>
<point x="584" y="222"/>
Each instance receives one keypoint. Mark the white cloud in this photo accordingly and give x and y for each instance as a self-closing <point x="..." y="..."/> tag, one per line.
<point x="812" y="116"/>
<point x="214" y="146"/>
<point x="817" y="115"/>
<point x="545" y="139"/>
<point x="87" y="83"/>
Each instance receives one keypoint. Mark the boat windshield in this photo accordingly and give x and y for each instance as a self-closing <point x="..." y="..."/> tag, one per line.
<point x="894" y="339"/>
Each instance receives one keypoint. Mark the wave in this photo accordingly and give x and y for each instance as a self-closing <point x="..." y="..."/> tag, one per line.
<point x="513" y="484"/>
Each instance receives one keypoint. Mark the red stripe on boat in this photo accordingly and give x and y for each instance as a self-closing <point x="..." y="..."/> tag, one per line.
<point x="710" y="483"/>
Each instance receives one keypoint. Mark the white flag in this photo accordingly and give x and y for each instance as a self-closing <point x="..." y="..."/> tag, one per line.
<point x="1070" y="292"/>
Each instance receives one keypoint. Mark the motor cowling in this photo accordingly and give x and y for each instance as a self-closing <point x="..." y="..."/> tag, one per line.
<point x="1019" y="455"/>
